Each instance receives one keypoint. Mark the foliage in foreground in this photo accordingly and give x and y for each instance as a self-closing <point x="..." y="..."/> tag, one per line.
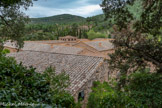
<point x="137" y="38"/>
<point x="20" y="84"/>
<point x="13" y="20"/>
<point x="137" y="45"/>
<point x="143" y="91"/>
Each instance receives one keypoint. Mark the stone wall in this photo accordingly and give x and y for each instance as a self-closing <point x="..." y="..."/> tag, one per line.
<point x="101" y="74"/>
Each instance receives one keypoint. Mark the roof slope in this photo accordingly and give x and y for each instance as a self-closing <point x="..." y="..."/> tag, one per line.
<point x="46" y="41"/>
<point x="51" y="48"/>
<point x="101" y="45"/>
<point x="34" y="46"/>
<point x="66" y="49"/>
<point x="79" y="68"/>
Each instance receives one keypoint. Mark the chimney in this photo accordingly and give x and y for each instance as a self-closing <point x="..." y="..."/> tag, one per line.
<point x="51" y="45"/>
<point x="100" y="44"/>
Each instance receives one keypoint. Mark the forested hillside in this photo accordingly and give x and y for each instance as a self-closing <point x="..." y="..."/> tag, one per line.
<point x="58" y="19"/>
<point x="49" y="28"/>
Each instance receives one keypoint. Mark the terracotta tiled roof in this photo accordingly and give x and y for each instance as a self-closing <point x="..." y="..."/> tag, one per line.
<point x="46" y="41"/>
<point x="52" y="48"/>
<point x="14" y="45"/>
<point x="66" y="49"/>
<point x="34" y="46"/>
<point x="84" y="40"/>
<point x="99" y="39"/>
<point x="101" y="45"/>
<point x="79" y="68"/>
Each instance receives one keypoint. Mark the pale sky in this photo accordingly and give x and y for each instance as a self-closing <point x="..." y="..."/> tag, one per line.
<point x="45" y="8"/>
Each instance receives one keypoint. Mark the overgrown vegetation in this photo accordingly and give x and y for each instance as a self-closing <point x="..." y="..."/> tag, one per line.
<point x="142" y="91"/>
<point x="134" y="48"/>
<point x="138" y="46"/>
<point x="21" y="84"/>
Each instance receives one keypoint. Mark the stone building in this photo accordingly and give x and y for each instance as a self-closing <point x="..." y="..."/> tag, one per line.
<point x="103" y="46"/>
<point x="85" y="61"/>
<point x="87" y="50"/>
<point x="68" y="38"/>
<point x="82" y="70"/>
<point x="51" y="48"/>
<point x="38" y="46"/>
<point x="98" y="47"/>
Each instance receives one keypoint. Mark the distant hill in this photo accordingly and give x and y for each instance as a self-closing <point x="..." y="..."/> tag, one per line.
<point x="99" y="18"/>
<point x="59" y="19"/>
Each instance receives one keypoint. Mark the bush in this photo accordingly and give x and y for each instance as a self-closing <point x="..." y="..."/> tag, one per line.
<point x="20" y="84"/>
<point x="143" y="91"/>
<point x="64" y="99"/>
<point x="100" y="91"/>
<point x="146" y="89"/>
<point x="5" y="51"/>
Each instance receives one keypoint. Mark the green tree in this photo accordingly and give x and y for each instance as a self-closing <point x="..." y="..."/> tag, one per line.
<point x="92" y="35"/>
<point x="137" y="40"/>
<point x="134" y="95"/>
<point x="22" y="84"/>
<point x="74" y="29"/>
<point x="5" y="51"/>
<point x="138" y="46"/>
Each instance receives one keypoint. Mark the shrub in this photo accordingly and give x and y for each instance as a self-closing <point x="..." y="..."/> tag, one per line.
<point x="99" y="91"/>
<point x="21" y="84"/>
<point x="142" y="91"/>
<point x="6" y="51"/>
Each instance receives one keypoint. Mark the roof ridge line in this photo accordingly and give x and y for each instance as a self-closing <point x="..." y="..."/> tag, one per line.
<point x="62" y="53"/>
<point x="86" y="44"/>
